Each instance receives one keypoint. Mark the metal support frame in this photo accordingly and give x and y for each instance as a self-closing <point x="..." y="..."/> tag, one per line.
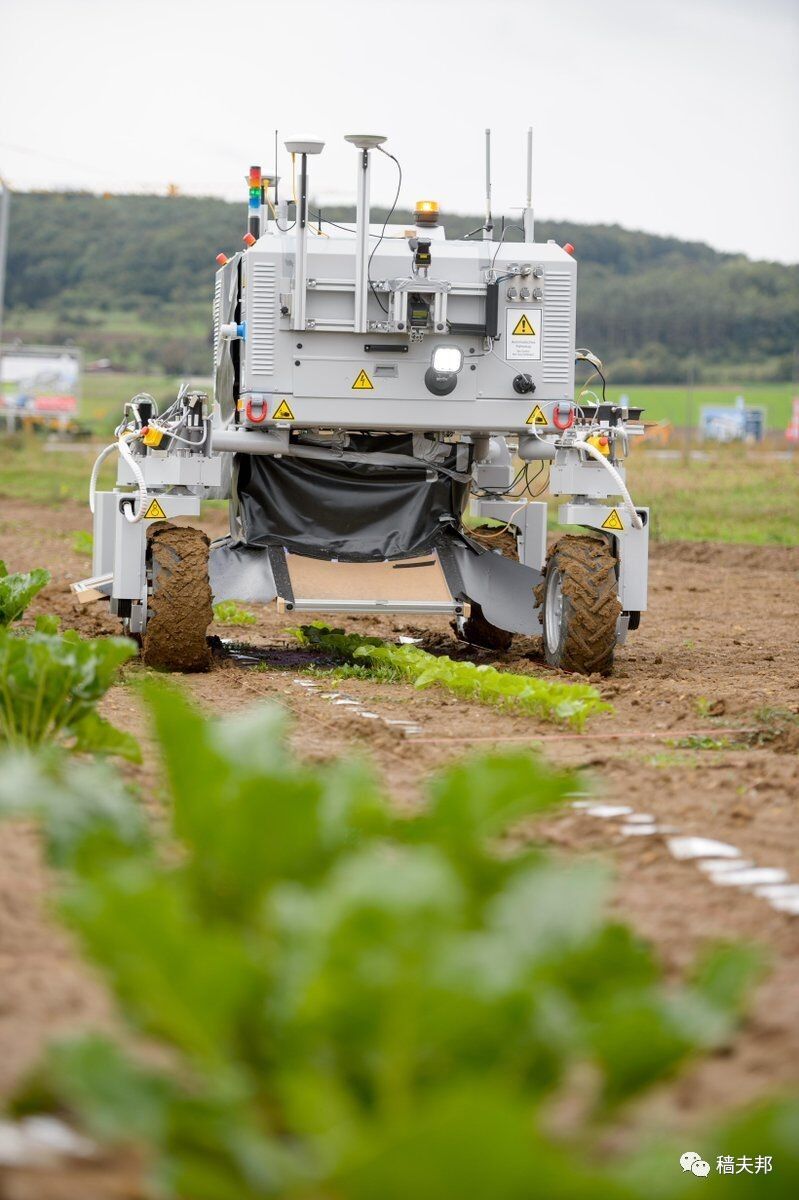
<point x="120" y="545"/>
<point x="301" y="251"/>
<point x="362" y="242"/>
<point x="531" y="521"/>
<point x="632" y="546"/>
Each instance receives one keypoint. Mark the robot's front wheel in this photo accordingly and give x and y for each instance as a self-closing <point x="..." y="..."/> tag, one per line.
<point x="179" y="603"/>
<point x="580" y="601"/>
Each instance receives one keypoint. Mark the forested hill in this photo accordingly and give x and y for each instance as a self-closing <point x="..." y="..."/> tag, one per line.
<point x="130" y="277"/>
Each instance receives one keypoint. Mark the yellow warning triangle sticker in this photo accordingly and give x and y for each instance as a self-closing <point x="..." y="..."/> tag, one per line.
<point x="155" y="512"/>
<point x="363" y="383"/>
<point x="523" y="327"/>
<point x="283" y="412"/>
<point x="612" y="520"/>
<point x="537" y="417"/>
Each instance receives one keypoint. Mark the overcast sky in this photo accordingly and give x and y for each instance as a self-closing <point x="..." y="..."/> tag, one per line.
<point x="672" y="116"/>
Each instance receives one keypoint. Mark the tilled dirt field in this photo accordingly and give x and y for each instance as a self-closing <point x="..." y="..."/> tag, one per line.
<point x="718" y="651"/>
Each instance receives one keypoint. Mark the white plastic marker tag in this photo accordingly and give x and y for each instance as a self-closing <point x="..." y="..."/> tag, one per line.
<point x="523" y="334"/>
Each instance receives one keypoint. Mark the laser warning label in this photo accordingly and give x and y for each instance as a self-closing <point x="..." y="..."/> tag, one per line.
<point x="523" y="327"/>
<point x="537" y="417"/>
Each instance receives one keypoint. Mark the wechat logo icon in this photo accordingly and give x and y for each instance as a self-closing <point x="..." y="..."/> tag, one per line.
<point x="693" y="1162"/>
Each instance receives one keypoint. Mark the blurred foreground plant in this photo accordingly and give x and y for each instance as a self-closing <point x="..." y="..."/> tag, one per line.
<point x="353" y="1003"/>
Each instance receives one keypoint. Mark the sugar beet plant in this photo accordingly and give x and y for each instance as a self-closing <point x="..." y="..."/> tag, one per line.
<point x="354" y="1004"/>
<point x="51" y="682"/>
<point x="17" y="590"/>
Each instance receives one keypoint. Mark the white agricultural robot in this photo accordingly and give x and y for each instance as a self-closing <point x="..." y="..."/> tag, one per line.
<point x="379" y="392"/>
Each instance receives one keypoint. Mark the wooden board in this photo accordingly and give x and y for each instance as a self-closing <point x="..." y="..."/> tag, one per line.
<point x="413" y="579"/>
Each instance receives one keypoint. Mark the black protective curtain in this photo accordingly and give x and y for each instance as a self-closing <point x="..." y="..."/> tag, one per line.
<point x="351" y="511"/>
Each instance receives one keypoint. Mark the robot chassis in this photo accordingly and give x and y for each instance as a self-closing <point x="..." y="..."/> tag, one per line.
<point x="372" y="384"/>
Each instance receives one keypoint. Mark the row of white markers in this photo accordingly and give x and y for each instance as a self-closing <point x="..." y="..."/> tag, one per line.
<point x="722" y="863"/>
<point x="355" y="706"/>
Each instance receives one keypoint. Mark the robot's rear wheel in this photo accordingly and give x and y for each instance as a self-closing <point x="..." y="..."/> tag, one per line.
<point x="179" y="604"/>
<point x="580" y="605"/>
<point x="476" y="630"/>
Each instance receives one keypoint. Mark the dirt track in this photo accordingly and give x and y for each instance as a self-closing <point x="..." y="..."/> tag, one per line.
<point x="718" y="650"/>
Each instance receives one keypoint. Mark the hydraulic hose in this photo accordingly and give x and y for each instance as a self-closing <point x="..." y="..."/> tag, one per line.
<point x="98" y="462"/>
<point x="122" y="448"/>
<point x="597" y="455"/>
<point x="134" y="517"/>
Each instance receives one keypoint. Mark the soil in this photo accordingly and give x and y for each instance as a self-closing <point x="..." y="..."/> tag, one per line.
<point x="717" y="651"/>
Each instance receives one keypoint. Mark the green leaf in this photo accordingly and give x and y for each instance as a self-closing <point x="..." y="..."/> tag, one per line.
<point x="140" y="924"/>
<point x="88" y="815"/>
<point x="228" y="612"/>
<point x="50" y="682"/>
<point x="95" y="735"/>
<point x="118" y="1101"/>
<point x="247" y="813"/>
<point x="480" y="798"/>
<point x="550" y="909"/>
<point x="726" y="973"/>
<point x="47" y="623"/>
<point x="17" y="591"/>
<point x="83" y="542"/>
<point x="472" y="1143"/>
<point x="638" y="1039"/>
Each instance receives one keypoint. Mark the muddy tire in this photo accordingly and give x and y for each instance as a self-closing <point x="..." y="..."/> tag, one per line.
<point x="477" y="631"/>
<point x="179" y="605"/>
<point x="580" y="605"/>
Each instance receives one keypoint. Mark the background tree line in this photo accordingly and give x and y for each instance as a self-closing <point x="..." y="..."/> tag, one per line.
<point x="131" y="277"/>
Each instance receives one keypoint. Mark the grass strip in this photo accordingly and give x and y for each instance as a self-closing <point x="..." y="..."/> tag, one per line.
<point x="552" y="700"/>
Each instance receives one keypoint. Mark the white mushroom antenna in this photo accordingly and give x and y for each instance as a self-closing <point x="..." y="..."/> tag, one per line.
<point x="304" y="145"/>
<point x="365" y="141"/>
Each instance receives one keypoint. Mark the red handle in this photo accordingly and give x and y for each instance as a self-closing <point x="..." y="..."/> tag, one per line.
<point x="251" y="415"/>
<point x="567" y="424"/>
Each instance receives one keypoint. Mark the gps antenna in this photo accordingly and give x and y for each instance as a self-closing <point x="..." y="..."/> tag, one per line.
<point x="489" y="224"/>
<point x="527" y="218"/>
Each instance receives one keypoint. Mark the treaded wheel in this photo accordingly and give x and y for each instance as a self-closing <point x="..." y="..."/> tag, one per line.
<point x="580" y="600"/>
<point x="179" y="604"/>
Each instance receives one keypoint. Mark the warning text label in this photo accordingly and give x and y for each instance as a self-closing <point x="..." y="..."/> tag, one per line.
<point x="523" y="330"/>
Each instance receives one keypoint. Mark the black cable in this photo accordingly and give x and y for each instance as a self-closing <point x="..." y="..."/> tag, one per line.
<point x="602" y="377"/>
<point x="506" y="230"/>
<point x="385" y="226"/>
<point x="504" y="491"/>
<point x="545" y="484"/>
<point x="389" y="237"/>
<point x="528" y="481"/>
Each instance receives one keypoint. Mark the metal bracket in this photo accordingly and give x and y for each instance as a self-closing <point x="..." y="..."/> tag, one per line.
<point x="632" y="545"/>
